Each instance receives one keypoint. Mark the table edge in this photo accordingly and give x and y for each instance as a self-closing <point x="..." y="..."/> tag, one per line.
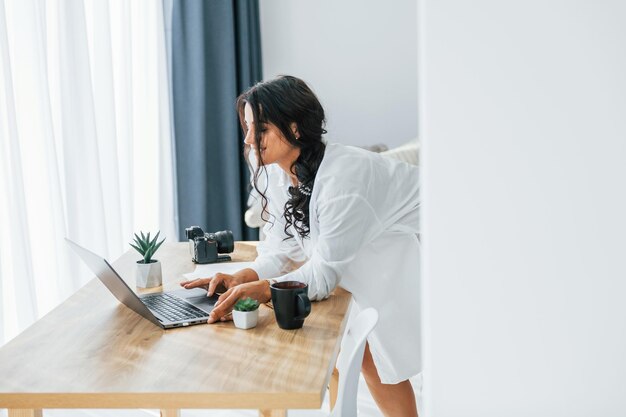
<point x="257" y="400"/>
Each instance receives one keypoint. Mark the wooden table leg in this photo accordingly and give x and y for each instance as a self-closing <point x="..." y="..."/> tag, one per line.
<point x="272" y="413"/>
<point x="334" y="386"/>
<point x="170" y="413"/>
<point x="19" y="412"/>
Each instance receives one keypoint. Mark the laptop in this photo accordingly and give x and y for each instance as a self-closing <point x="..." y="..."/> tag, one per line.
<point x="167" y="310"/>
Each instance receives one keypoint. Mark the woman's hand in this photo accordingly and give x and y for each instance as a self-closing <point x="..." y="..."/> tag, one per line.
<point x="258" y="290"/>
<point x="221" y="281"/>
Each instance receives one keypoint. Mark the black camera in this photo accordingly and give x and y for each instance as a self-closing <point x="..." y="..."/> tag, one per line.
<point x="204" y="247"/>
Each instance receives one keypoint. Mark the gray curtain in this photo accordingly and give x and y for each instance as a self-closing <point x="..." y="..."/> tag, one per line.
<point x="216" y="55"/>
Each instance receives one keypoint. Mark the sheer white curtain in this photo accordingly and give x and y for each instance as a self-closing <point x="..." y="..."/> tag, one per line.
<point x="85" y="143"/>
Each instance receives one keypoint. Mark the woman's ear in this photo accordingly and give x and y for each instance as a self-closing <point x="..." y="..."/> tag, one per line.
<point x="294" y="130"/>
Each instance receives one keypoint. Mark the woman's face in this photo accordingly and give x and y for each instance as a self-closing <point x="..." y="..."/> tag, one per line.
<point x="274" y="146"/>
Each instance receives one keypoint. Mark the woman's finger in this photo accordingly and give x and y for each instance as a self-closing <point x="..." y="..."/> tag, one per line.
<point x="227" y="317"/>
<point x="224" y="305"/>
<point x="217" y="279"/>
<point x="200" y="282"/>
<point x="223" y="296"/>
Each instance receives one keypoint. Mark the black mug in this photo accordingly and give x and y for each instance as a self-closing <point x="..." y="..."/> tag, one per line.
<point x="291" y="303"/>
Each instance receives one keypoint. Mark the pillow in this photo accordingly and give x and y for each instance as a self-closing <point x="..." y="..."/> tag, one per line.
<point x="409" y="152"/>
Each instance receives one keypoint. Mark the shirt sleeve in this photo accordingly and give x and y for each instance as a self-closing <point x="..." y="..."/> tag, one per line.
<point x="346" y="224"/>
<point x="276" y="255"/>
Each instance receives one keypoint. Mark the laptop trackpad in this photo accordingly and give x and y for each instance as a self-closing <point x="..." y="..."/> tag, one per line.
<point x="197" y="297"/>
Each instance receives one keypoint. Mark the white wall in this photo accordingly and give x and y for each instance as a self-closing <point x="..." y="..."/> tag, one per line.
<point x="360" y="57"/>
<point x="523" y="123"/>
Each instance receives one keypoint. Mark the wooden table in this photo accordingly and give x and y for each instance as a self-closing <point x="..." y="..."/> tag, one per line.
<point x="93" y="352"/>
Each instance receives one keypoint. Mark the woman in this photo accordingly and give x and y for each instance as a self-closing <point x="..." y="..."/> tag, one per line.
<point x="336" y="216"/>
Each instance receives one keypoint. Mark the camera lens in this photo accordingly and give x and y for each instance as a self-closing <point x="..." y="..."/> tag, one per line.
<point x="225" y="241"/>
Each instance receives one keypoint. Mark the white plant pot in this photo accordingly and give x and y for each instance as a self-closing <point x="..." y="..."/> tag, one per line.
<point x="149" y="275"/>
<point x="246" y="319"/>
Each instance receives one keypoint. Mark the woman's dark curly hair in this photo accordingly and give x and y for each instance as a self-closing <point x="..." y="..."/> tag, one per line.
<point x="281" y="102"/>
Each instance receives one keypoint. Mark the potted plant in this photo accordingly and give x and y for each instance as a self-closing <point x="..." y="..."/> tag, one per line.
<point x="246" y="313"/>
<point x="148" y="270"/>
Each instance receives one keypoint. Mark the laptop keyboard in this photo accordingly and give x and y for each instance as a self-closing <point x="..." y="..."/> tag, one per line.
<point x="172" y="308"/>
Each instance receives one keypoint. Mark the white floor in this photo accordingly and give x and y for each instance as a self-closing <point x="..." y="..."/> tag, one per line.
<point x="366" y="405"/>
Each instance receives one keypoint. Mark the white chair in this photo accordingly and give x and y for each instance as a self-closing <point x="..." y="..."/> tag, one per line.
<point x="349" y="368"/>
<point x="349" y="362"/>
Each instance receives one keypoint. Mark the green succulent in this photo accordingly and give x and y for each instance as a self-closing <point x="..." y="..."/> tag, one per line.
<point x="246" y="304"/>
<point x="146" y="247"/>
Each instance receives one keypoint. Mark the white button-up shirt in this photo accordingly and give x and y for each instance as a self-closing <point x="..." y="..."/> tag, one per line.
<point x="364" y="226"/>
